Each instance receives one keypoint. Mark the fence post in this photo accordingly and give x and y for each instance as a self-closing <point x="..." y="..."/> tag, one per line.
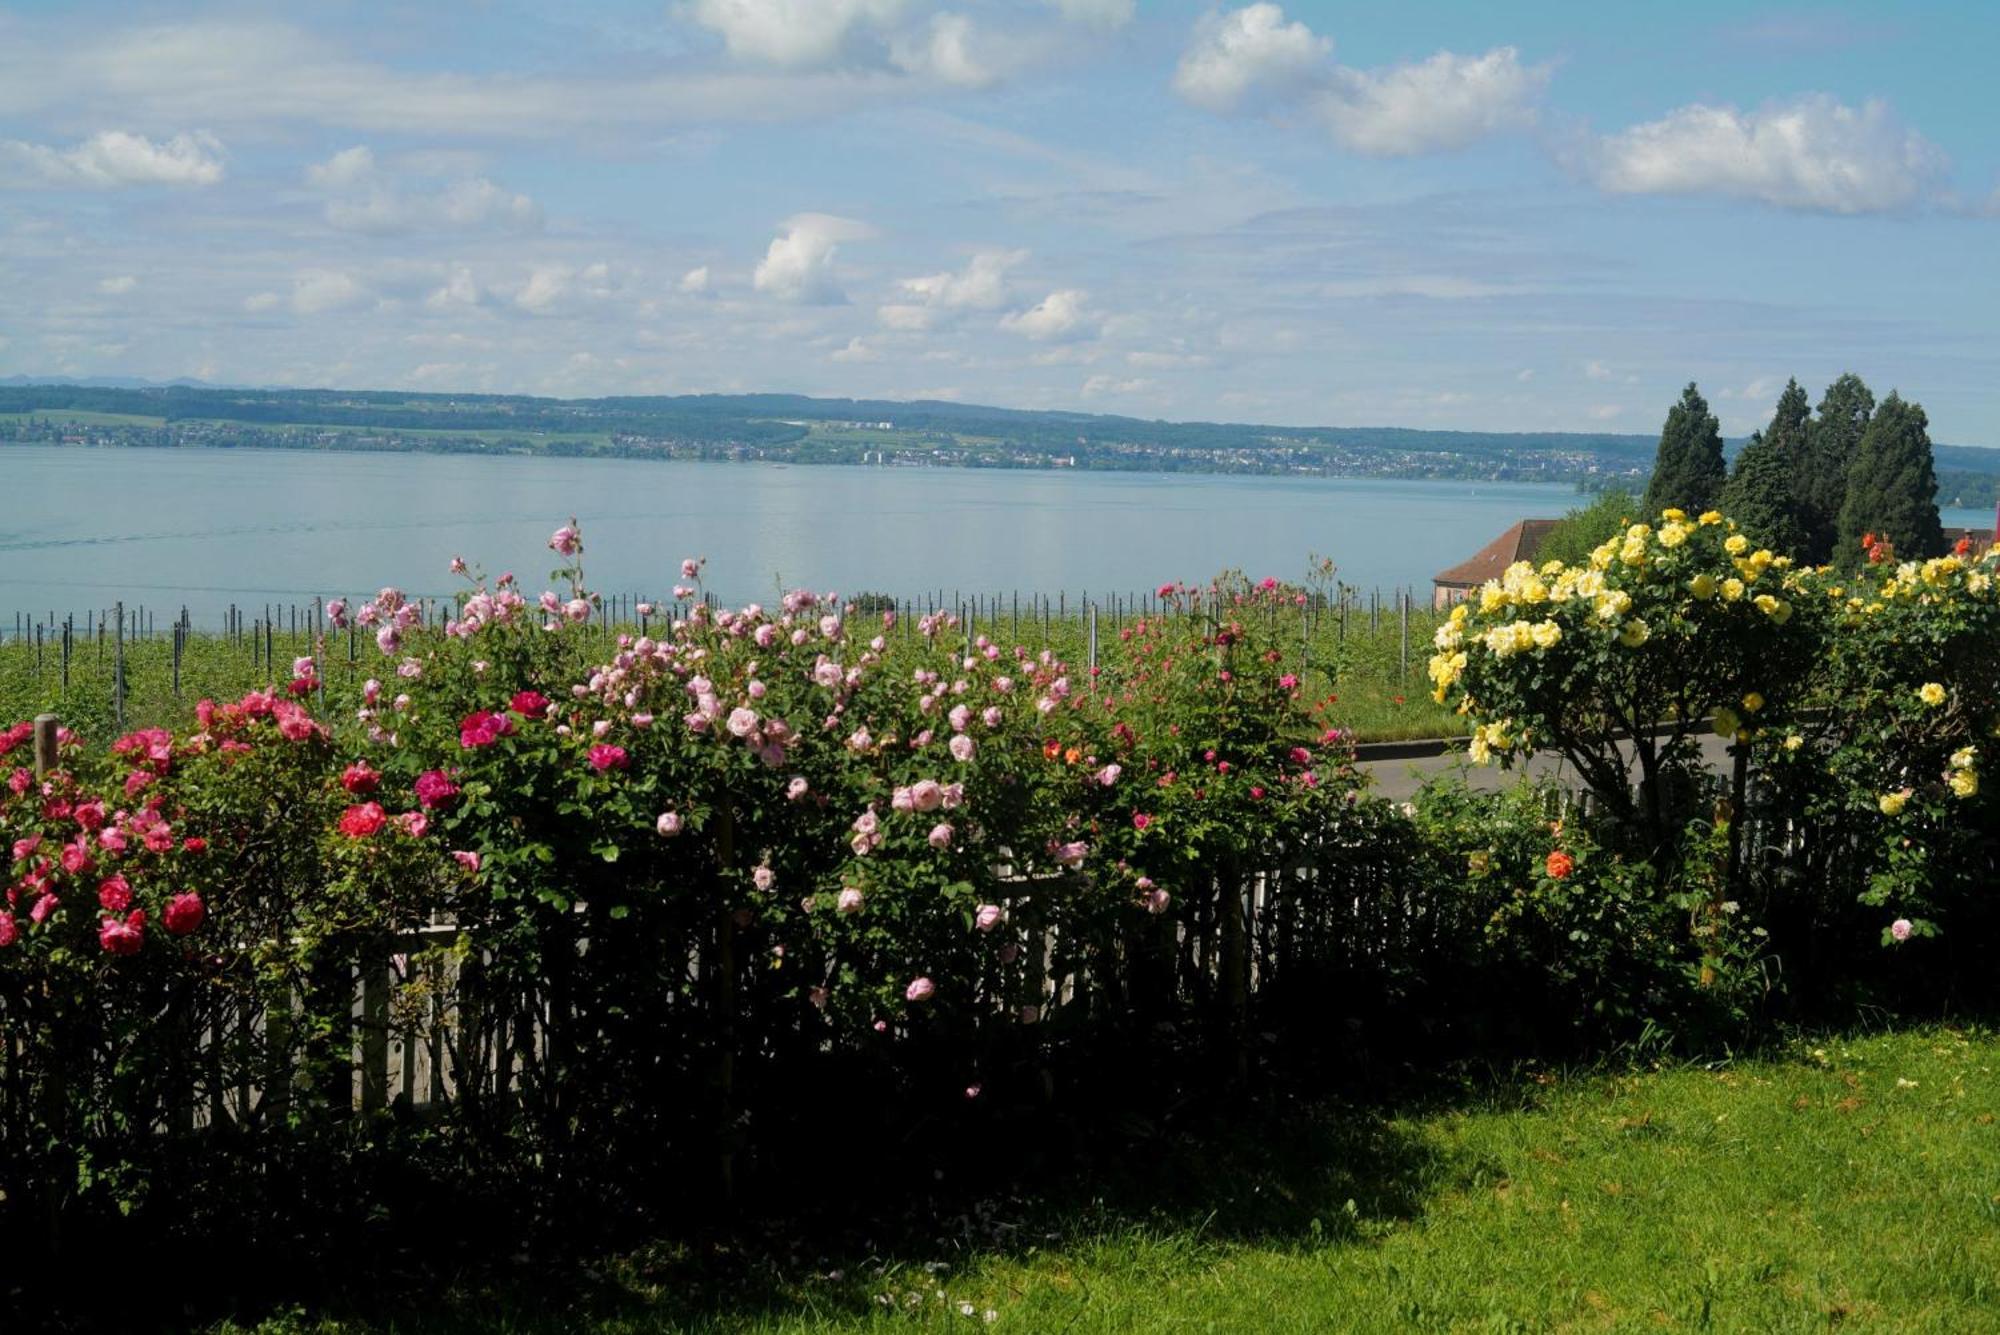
<point x="1093" y="639"/>
<point x="45" y="744"/>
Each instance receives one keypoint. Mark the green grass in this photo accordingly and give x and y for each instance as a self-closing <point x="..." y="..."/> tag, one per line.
<point x="1849" y="1184"/>
<point x="82" y="417"/>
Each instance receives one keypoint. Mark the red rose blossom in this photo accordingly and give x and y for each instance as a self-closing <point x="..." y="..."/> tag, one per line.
<point x="605" y="756"/>
<point x="530" y="704"/>
<point x="361" y="821"/>
<point x="1561" y="864"/>
<point x="184" y="914"/>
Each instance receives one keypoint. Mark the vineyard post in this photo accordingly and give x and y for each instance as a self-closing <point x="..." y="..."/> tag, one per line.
<point x="1404" y="598"/>
<point x="118" y="672"/>
<point x="45" y="745"/>
<point x="1093" y="639"/>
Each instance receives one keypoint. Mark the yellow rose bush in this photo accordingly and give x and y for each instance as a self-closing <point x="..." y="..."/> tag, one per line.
<point x="1669" y="629"/>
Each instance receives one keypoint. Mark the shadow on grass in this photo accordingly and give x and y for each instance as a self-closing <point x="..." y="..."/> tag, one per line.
<point x="1195" y="1177"/>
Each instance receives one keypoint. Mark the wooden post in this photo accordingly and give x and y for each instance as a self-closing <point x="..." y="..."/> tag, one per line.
<point x="118" y="673"/>
<point x="45" y="744"/>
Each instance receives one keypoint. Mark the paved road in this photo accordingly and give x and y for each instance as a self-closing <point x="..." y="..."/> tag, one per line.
<point x="1400" y="779"/>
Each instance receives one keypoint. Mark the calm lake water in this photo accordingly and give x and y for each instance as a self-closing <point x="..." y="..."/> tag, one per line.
<point x="83" y="528"/>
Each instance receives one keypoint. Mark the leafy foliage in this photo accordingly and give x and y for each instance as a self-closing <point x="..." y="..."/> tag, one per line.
<point x="1688" y="472"/>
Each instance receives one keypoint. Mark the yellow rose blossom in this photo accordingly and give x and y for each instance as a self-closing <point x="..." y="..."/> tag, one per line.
<point x="1794" y="742"/>
<point x="1612" y="604"/>
<point x="1634" y="633"/>
<point x="1673" y="535"/>
<point x="1702" y="585"/>
<point x="1964" y="783"/>
<point x="1492" y="598"/>
<point x="1752" y="703"/>
<point x="1735" y="544"/>
<point x="1931" y="693"/>
<point x="1709" y="518"/>
<point x="1732" y="589"/>
<point x="1964" y="757"/>
<point x="1673" y="515"/>
<point x="1892" y="804"/>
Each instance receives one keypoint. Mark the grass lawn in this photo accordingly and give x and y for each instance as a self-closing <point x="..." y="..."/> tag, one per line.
<point x="1850" y="1184"/>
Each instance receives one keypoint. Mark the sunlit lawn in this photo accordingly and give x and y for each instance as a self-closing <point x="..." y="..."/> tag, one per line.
<point x="1851" y="1184"/>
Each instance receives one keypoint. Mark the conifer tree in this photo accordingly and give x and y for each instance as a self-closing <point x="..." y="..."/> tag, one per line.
<point x="1688" y="472"/>
<point x="1762" y="495"/>
<point x="1830" y="444"/>
<point x="1892" y="486"/>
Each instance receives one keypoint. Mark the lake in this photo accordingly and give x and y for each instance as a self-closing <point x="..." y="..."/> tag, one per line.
<point x="83" y="528"/>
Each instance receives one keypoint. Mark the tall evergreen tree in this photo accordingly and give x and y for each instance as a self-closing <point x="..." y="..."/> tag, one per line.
<point x="1688" y="472"/>
<point x="1760" y="499"/>
<point x="1892" y="485"/>
<point x="1762" y="495"/>
<point x="1830" y="445"/>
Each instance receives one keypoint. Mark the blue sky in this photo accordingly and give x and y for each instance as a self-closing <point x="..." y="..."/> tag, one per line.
<point x="1516" y="217"/>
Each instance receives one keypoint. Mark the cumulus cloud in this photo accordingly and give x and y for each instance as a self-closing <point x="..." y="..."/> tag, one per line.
<point x="1058" y="316"/>
<point x="112" y="158"/>
<point x="798" y="266"/>
<point x="943" y="51"/>
<point x="695" y="282"/>
<point x="551" y="286"/>
<point x="458" y="291"/>
<point x="315" y="291"/>
<point x="1813" y="153"/>
<point x="1434" y="105"/>
<point x="1102" y="14"/>
<point x="1252" y="59"/>
<point x="1245" y="49"/>
<point x="793" y="34"/>
<point x="981" y="285"/>
<point x="857" y="350"/>
<point x="361" y="198"/>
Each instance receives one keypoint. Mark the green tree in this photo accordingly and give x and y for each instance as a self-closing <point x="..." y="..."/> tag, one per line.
<point x="1762" y="496"/>
<point x="1830" y="445"/>
<point x="1587" y="527"/>
<point x="1688" y="472"/>
<point x="1892" y="485"/>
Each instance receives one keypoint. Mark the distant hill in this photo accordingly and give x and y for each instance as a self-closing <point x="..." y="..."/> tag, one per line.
<point x="796" y="428"/>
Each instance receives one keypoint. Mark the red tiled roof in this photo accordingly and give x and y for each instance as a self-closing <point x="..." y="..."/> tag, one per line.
<point x="1519" y="543"/>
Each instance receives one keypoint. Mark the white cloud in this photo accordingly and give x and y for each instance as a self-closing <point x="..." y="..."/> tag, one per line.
<point x="262" y="301"/>
<point x="794" y="34"/>
<point x="1252" y="59"/>
<point x="345" y="169"/>
<point x="981" y="285"/>
<point x="1235" y="52"/>
<point x="458" y="292"/>
<point x="1525" y="375"/>
<point x="1428" y="106"/>
<point x="857" y="350"/>
<point x="1436" y="287"/>
<point x="113" y="158"/>
<point x="1105" y="384"/>
<point x="943" y="52"/>
<point x="798" y="266"/>
<point x="1103" y="14"/>
<point x="362" y="199"/>
<point x="1604" y="412"/>
<point x="1596" y="370"/>
<point x="549" y="286"/>
<point x="317" y="290"/>
<point x="1813" y="153"/>
<point x="117" y="286"/>
<point x="695" y="281"/>
<point x="1165" y="361"/>
<point x="1060" y="315"/>
<point x="905" y="317"/>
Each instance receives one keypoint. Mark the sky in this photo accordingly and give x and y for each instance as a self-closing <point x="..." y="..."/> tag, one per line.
<point x="1530" y="216"/>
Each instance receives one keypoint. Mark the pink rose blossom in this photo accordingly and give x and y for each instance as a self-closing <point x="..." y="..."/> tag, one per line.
<point x="940" y="835"/>
<point x="850" y="900"/>
<point x="184" y="914"/>
<point x="796" y="790"/>
<point x="920" y="990"/>
<point x="466" y="858"/>
<point x="962" y="748"/>
<point x="989" y="917"/>
<point x="605" y="756"/>
<point x="763" y="878"/>
<point x="1900" y="929"/>
<point x="669" y="824"/>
